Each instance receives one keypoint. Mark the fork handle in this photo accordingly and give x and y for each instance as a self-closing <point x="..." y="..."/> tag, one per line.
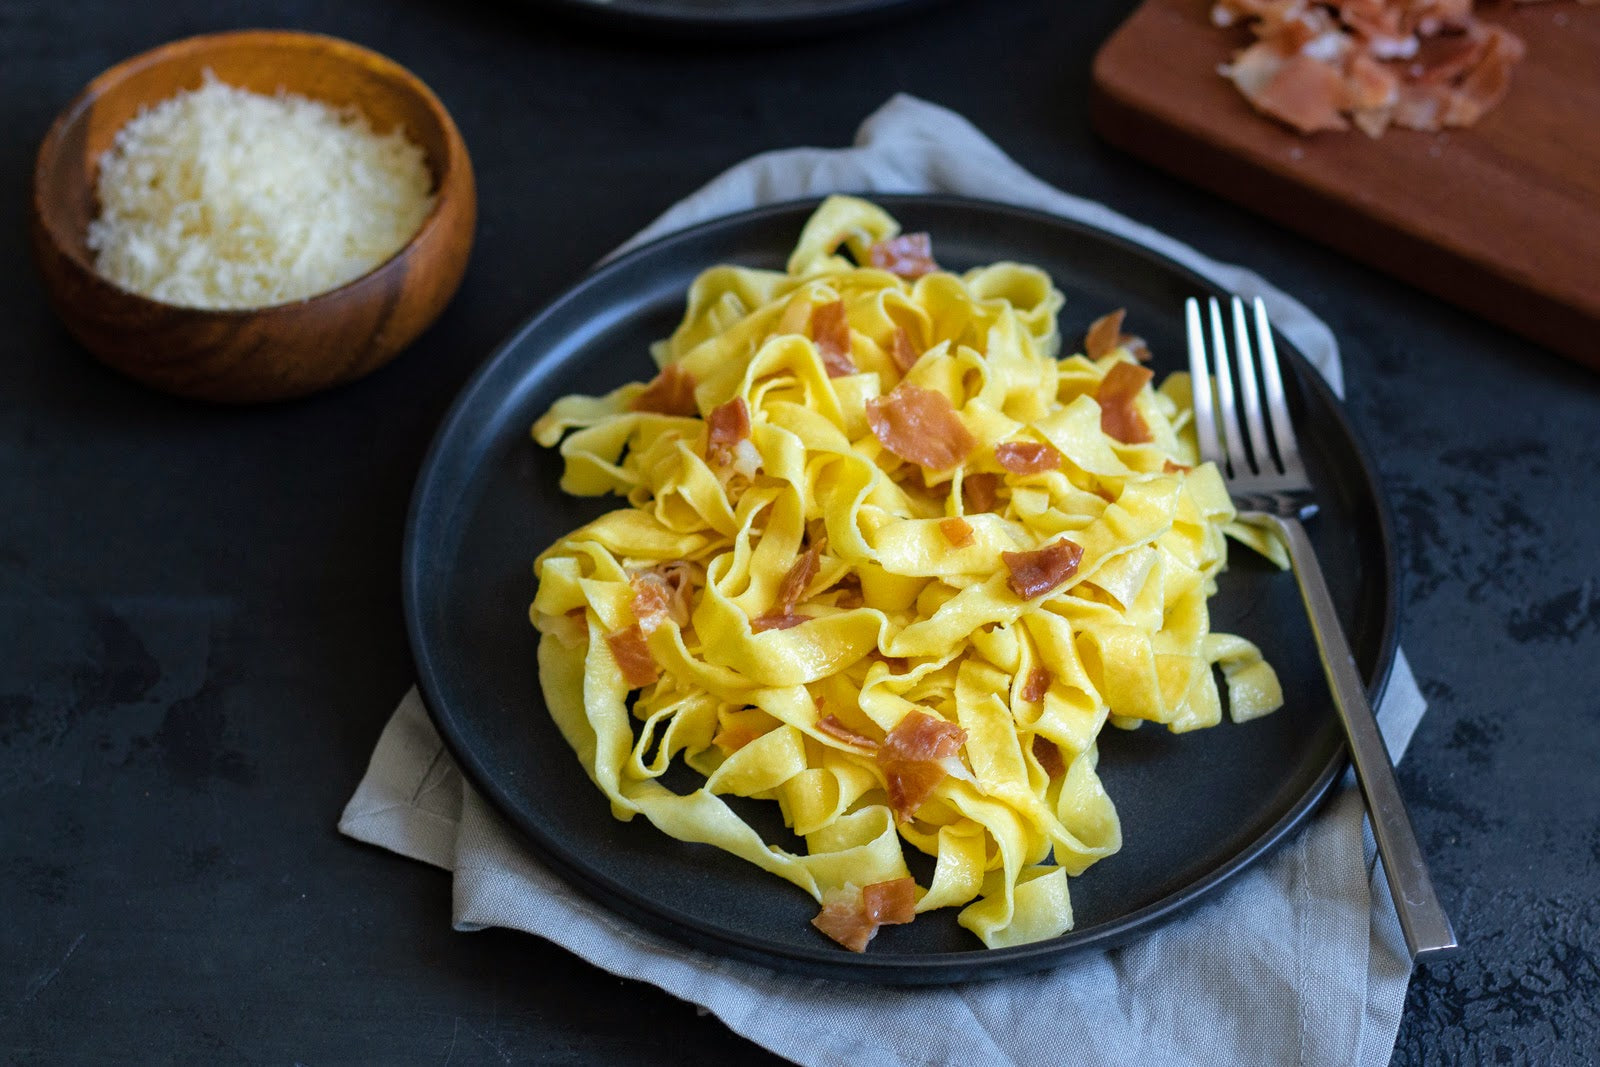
<point x="1426" y="927"/>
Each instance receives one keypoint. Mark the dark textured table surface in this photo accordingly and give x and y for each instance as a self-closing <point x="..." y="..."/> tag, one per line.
<point x="200" y="624"/>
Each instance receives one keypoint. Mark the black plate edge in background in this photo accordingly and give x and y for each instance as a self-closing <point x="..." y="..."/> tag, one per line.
<point x="752" y="21"/>
<point x="823" y="962"/>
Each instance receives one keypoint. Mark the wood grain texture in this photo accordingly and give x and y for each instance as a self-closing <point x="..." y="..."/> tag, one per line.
<point x="246" y="356"/>
<point x="1502" y="218"/>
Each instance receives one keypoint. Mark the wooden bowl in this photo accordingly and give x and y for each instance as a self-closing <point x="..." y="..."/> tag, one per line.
<point x="271" y="353"/>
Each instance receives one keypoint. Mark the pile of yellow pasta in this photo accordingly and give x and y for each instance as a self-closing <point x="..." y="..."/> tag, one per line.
<point x="900" y="620"/>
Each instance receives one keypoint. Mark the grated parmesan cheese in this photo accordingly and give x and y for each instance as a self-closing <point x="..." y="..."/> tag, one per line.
<point x="224" y="198"/>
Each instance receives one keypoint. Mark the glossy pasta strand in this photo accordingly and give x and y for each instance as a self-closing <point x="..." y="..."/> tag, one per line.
<point x="883" y="565"/>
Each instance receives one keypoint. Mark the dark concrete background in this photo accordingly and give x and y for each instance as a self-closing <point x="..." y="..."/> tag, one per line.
<point x="200" y="626"/>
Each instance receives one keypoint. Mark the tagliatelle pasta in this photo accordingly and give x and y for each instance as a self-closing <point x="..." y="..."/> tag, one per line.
<point x="890" y="564"/>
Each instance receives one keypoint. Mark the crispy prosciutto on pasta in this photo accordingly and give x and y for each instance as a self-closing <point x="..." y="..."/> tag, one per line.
<point x="920" y="426"/>
<point x="852" y="916"/>
<point x="890" y="561"/>
<point x="910" y="255"/>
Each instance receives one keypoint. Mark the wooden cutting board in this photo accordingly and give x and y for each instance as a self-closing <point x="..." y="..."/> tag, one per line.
<point x="1502" y="218"/>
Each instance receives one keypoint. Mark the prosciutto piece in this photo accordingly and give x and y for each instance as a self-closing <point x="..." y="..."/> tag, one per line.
<point x="923" y="737"/>
<point x="920" y="426"/>
<point x="1325" y="64"/>
<point x="910" y="255"/>
<point x="795" y="580"/>
<point x="670" y="393"/>
<point x="1048" y="753"/>
<point x="732" y="738"/>
<point x="1027" y="457"/>
<point x="912" y="759"/>
<point x="890" y="903"/>
<point x="840" y="732"/>
<point x="981" y="492"/>
<point x="1119" y="418"/>
<point x="1036" y="573"/>
<point x="830" y="330"/>
<point x="726" y="426"/>
<point x="778" y="620"/>
<point x="633" y="657"/>
<point x="852" y="916"/>
<point x="1297" y="89"/>
<point x="844" y="919"/>
<point x="910" y="783"/>
<point x="1105" y="336"/>
<point x="957" y="531"/>
<point x="662" y="592"/>
<point x="1037" y="685"/>
<point x="902" y="351"/>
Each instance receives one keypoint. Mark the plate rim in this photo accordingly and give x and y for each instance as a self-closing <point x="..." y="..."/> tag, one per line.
<point x="927" y="968"/>
<point x="641" y="16"/>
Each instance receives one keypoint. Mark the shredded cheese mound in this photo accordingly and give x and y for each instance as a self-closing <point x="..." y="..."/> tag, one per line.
<point x="224" y="198"/>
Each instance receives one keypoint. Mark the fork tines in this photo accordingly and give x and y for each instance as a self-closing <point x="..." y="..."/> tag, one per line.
<point x="1263" y="445"/>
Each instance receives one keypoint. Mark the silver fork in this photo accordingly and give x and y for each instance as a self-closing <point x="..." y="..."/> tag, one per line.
<point x="1270" y="487"/>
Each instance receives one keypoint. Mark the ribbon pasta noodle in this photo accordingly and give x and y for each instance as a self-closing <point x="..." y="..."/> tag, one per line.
<point x="887" y="562"/>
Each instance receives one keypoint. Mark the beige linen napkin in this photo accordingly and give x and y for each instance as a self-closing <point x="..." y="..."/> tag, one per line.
<point x="1298" y="961"/>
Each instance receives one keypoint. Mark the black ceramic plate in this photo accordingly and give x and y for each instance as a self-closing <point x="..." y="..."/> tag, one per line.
<point x="735" y="18"/>
<point x="1195" y="808"/>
